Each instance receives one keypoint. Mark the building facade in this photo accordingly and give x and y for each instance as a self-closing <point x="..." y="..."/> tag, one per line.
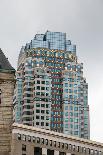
<point x="7" y="82"/>
<point x="27" y="140"/>
<point x="51" y="91"/>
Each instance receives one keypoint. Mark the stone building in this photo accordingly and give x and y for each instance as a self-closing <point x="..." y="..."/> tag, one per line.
<point x="7" y="80"/>
<point x="28" y="140"/>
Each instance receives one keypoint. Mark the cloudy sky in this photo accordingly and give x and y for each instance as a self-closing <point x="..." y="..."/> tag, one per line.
<point x="82" y="20"/>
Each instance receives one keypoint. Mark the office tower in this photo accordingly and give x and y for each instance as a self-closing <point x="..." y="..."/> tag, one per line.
<point x="51" y="91"/>
<point x="7" y="82"/>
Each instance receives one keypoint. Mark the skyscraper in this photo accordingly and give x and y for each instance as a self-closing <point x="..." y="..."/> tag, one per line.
<point x="51" y="91"/>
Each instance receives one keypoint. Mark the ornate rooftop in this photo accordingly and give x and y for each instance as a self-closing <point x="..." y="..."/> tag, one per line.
<point x="4" y="63"/>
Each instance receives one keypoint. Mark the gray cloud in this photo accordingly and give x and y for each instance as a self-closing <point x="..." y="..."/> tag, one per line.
<point x="82" y="20"/>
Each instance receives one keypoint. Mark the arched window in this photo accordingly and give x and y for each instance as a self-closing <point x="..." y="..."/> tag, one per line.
<point x="0" y="96"/>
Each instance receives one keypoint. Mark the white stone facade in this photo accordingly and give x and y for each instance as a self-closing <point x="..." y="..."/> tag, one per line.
<point x="26" y="139"/>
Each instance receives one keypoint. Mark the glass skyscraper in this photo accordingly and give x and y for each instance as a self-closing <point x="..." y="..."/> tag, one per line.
<point x="51" y="91"/>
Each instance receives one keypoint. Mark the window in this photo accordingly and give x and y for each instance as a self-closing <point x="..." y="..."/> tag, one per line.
<point x="77" y="148"/>
<point x="66" y="107"/>
<point x="73" y="147"/>
<point x="37" y="117"/>
<point x="46" y="141"/>
<point x="47" y="117"/>
<point x="71" y="119"/>
<point x="42" y="94"/>
<point x="66" y="146"/>
<point x="59" y="144"/>
<point x="42" y="105"/>
<point x="24" y="137"/>
<point x="42" y="88"/>
<point x="71" y="125"/>
<point x="42" y="117"/>
<point x="42" y="123"/>
<point x="75" y="108"/>
<point x="84" y="149"/>
<point x="47" y="105"/>
<point x="71" y="114"/>
<point x="37" y="93"/>
<point x="55" y="143"/>
<point x="66" y="84"/>
<point x="38" y="87"/>
<point x="37" y="111"/>
<point x="37" y="123"/>
<point x="37" y="105"/>
<point x="76" y="114"/>
<point x="71" y="107"/>
<point x="66" y="90"/>
<point x="75" y="120"/>
<point x="47" y="111"/>
<point x="62" y="145"/>
<point x="50" y="142"/>
<point x="47" y="82"/>
<point x="43" y="82"/>
<point x="29" y="95"/>
<point x="38" y="82"/>
<point x="34" y="139"/>
<point x="70" y="146"/>
<point x="38" y="140"/>
<point x="47" y="88"/>
<point x="66" y="119"/>
<point x="47" y="94"/>
<point x="75" y="132"/>
<point x="23" y="147"/>
<point x="19" y="136"/>
<point x="42" y="111"/>
<point x="47" y="124"/>
<point x="66" y="125"/>
<point x="66" y="114"/>
<point x="75" y="126"/>
<point x="42" y="140"/>
<point x="29" y="138"/>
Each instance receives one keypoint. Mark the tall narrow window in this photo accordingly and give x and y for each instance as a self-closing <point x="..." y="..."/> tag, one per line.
<point x="23" y="147"/>
<point x="0" y="96"/>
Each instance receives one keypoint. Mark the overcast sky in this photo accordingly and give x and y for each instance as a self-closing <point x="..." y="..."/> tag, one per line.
<point x="82" y="20"/>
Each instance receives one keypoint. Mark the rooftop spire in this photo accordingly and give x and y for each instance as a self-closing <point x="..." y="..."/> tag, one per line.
<point x="4" y="63"/>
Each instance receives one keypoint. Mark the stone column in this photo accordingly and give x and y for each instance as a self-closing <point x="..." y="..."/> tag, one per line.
<point x="56" y="152"/>
<point x="68" y="153"/>
<point x="6" y="111"/>
<point x="44" y="151"/>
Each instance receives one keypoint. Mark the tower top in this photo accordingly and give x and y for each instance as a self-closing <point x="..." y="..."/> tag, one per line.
<point x="5" y="66"/>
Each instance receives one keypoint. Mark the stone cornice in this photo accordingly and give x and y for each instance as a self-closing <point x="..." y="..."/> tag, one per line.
<point x="56" y="134"/>
<point x="7" y="77"/>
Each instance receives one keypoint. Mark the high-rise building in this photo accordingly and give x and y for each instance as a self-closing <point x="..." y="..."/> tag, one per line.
<point x="51" y="91"/>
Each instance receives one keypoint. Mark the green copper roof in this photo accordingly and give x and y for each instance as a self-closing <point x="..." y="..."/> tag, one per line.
<point x="4" y="63"/>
